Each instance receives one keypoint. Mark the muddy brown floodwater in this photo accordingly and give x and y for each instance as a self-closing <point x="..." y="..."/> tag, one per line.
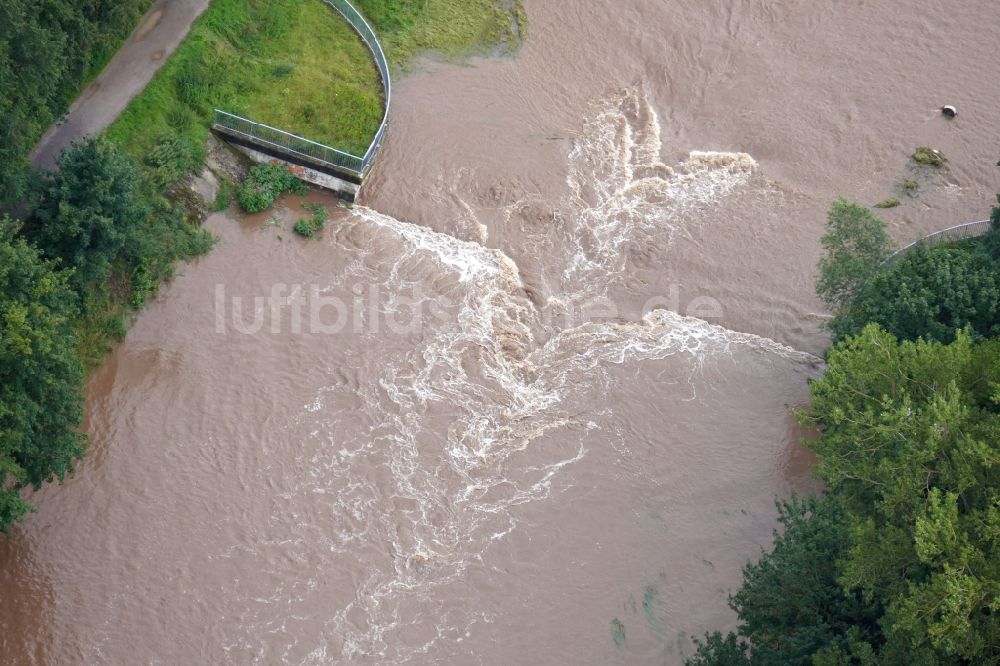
<point x="530" y="403"/>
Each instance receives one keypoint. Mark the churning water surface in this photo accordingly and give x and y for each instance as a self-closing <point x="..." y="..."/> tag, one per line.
<point x="531" y="401"/>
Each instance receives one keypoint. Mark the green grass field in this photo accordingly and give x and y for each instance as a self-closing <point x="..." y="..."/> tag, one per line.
<point x="293" y="64"/>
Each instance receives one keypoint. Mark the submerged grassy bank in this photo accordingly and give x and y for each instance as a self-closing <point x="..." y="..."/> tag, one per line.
<point x="448" y="28"/>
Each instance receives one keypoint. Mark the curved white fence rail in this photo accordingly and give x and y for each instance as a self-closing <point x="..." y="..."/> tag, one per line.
<point x="956" y="233"/>
<point x="296" y="145"/>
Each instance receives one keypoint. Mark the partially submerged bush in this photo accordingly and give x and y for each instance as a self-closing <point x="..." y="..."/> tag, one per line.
<point x="854" y="245"/>
<point x="927" y="156"/>
<point x="888" y="203"/>
<point x="910" y="186"/>
<point x="312" y="226"/>
<point x="266" y="183"/>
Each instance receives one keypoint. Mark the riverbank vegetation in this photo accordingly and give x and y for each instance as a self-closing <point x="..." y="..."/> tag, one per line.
<point x="49" y="50"/>
<point x="264" y="185"/>
<point x="96" y="243"/>
<point x="41" y="404"/>
<point x="898" y="561"/>
<point x="100" y="233"/>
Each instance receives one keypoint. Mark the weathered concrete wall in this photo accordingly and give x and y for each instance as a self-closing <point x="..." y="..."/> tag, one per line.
<point x="342" y="188"/>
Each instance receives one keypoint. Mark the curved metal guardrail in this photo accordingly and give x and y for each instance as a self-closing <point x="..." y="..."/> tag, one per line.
<point x="955" y="233"/>
<point x="284" y="141"/>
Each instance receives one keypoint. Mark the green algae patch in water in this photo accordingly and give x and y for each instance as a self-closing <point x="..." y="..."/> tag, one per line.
<point x="652" y="604"/>
<point x="617" y="632"/>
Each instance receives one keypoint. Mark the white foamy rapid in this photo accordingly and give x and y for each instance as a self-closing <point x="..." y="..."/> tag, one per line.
<point x="446" y="424"/>
<point x="624" y="200"/>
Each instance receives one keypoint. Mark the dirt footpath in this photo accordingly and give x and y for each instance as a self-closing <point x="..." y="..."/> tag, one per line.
<point x="158" y="34"/>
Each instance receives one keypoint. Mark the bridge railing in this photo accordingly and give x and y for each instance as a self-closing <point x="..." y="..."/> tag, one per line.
<point x="949" y="235"/>
<point x="358" y="22"/>
<point x="300" y="146"/>
<point x="288" y="142"/>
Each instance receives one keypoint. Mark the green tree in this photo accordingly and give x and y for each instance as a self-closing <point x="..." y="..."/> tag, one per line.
<point x="41" y="379"/>
<point x="929" y="293"/>
<point x="89" y="208"/>
<point x="48" y="50"/>
<point x="791" y="605"/>
<point x="854" y="245"/>
<point x="900" y="562"/>
<point x="991" y="240"/>
<point x="911" y="445"/>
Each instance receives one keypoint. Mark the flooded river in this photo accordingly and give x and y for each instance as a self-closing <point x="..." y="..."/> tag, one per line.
<point x="530" y="402"/>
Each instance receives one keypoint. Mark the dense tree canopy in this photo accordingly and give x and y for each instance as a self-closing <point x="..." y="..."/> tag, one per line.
<point x="900" y="563"/>
<point x="911" y="444"/>
<point x="40" y="374"/>
<point x="930" y="293"/>
<point x="48" y="49"/>
<point x="791" y="604"/>
<point x="89" y="208"/>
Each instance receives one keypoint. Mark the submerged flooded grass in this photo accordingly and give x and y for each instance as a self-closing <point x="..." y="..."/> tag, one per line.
<point x="450" y="28"/>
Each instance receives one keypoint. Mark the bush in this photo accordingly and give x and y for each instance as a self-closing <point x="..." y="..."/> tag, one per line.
<point x="927" y="156"/>
<point x="309" y="228"/>
<point x="89" y="208"/>
<point x="304" y="227"/>
<point x="854" y="245"/>
<point x="265" y="184"/>
<point x="169" y="160"/>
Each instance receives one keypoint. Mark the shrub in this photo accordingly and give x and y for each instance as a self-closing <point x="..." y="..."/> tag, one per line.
<point x="265" y="184"/>
<point x="304" y="227"/>
<point x="854" y="245"/>
<point x="927" y="156"/>
<point x="309" y="228"/>
<point x="89" y="208"/>
<point x="888" y="203"/>
<point x="169" y="160"/>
